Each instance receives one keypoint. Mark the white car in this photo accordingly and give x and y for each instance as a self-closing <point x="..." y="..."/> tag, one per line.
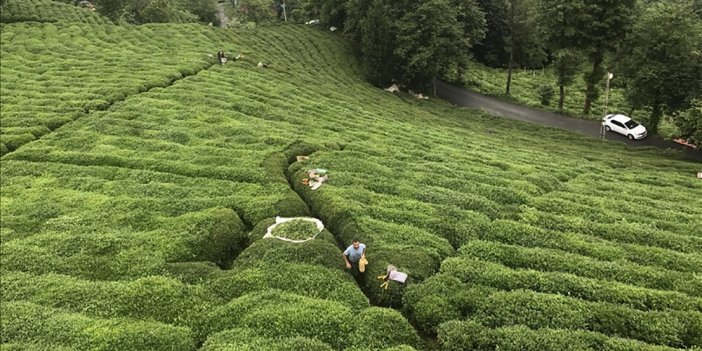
<point x="624" y="126"/>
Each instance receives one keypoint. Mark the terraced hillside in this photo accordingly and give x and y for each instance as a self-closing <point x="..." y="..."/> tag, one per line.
<point x="139" y="224"/>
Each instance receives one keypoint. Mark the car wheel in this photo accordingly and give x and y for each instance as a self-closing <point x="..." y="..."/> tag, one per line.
<point x="631" y="137"/>
<point x="608" y="129"/>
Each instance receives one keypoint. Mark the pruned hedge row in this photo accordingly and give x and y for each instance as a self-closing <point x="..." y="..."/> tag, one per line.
<point x="214" y="235"/>
<point x="24" y="322"/>
<point x="274" y="313"/>
<point x="265" y="252"/>
<point x="91" y="72"/>
<point x="303" y="279"/>
<point x="47" y="11"/>
<point x="102" y="220"/>
<point x="247" y="339"/>
<point x="664" y="215"/>
<point x="469" y="335"/>
<point x="619" y="230"/>
<point x="472" y="271"/>
<point x="517" y="233"/>
<point x="559" y="261"/>
<point x="443" y="298"/>
<point x="155" y="298"/>
<point x="69" y="197"/>
<point x="414" y="251"/>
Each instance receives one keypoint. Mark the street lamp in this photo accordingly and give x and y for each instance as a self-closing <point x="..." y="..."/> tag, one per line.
<point x="602" y="125"/>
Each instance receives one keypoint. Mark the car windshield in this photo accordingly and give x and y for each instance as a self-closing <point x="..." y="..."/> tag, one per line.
<point x="631" y="124"/>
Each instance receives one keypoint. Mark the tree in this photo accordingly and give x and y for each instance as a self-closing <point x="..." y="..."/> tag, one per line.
<point x="562" y="21"/>
<point x="608" y="23"/>
<point x="567" y="64"/>
<point x="112" y="9"/>
<point x="523" y="41"/>
<point x="256" y="11"/>
<point x="690" y="123"/>
<point x="661" y="60"/>
<point x="431" y="40"/>
<point x="377" y="43"/>
<point x="331" y="12"/>
<point x="205" y="10"/>
<point x="491" y="51"/>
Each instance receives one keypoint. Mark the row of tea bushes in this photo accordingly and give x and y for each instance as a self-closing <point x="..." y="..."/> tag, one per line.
<point x="45" y="328"/>
<point x="47" y="11"/>
<point x="559" y="261"/>
<point x="443" y="298"/>
<point x="522" y="234"/>
<point x="54" y="73"/>
<point x="469" y="335"/>
<point x="472" y="271"/>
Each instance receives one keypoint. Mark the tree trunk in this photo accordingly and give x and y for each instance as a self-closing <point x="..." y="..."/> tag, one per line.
<point x="433" y="83"/>
<point x="591" y="80"/>
<point x="561" y="89"/>
<point x="655" y="119"/>
<point x="509" y="71"/>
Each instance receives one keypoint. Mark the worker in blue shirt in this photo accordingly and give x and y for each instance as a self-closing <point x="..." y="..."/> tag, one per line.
<point x="353" y="254"/>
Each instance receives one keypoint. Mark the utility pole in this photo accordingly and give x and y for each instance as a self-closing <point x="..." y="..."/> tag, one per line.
<point x="602" y="125"/>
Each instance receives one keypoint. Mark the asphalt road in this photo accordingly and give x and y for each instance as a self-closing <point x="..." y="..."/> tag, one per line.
<point x="463" y="97"/>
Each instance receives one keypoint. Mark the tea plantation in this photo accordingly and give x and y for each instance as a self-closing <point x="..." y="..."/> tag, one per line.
<point x="138" y="178"/>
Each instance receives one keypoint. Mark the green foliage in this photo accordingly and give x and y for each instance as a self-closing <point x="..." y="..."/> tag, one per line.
<point x="501" y="277"/>
<point x="297" y="229"/>
<point x="377" y="43"/>
<point x="414" y="42"/>
<point x="381" y="328"/>
<point x="566" y="63"/>
<point x="492" y="51"/>
<point x="173" y="150"/>
<point x="690" y="123"/>
<point x="152" y="298"/>
<point x="256" y="11"/>
<point x="545" y="94"/>
<point x="430" y="39"/>
<point x="273" y="251"/>
<point x="469" y="335"/>
<point x="439" y="299"/>
<point x="31" y="323"/>
<point x="46" y="11"/>
<point x="303" y="279"/>
<point x="554" y="260"/>
<point x="660" y="60"/>
<point x="275" y="313"/>
<point x="247" y="339"/>
<point x="215" y="234"/>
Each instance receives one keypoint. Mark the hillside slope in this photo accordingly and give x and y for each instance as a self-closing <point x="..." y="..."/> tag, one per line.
<point x="139" y="224"/>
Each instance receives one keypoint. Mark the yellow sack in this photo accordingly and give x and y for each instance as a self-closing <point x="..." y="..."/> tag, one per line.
<point x="362" y="264"/>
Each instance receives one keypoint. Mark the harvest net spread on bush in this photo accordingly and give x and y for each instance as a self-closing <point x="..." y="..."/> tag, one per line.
<point x="128" y="228"/>
<point x="298" y="229"/>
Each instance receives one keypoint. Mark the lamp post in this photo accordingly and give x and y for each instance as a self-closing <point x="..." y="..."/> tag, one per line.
<point x="602" y="125"/>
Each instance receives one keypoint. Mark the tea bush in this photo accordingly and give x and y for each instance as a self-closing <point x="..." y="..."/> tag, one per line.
<point x="247" y="339"/>
<point x="47" y="11"/>
<point x="274" y="313"/>
<point x="171" y="164"/>
<point x="24" y="322"/>
<point x="469" y="335"/>
<point x="303" y="279"/>
<point x="472" y="271"/>
<point x="558" y="261"/>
